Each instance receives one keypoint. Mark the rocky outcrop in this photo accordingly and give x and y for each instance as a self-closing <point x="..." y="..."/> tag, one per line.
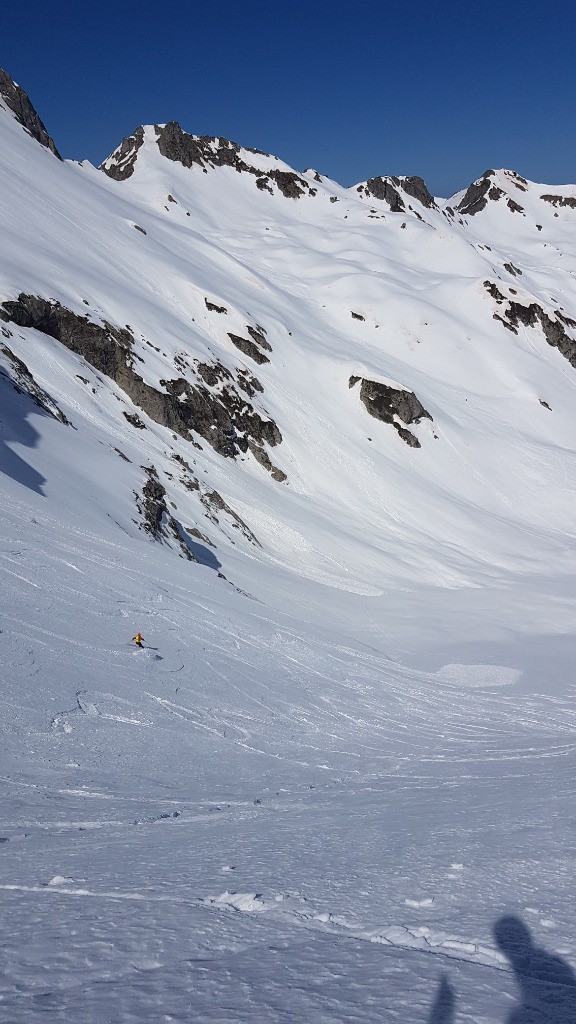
<point x="23" y="382"/>
<point x="388" y="190"/>
<point x="248" y="348"/>
<point x="480" y="192"/>
<point x="121" y="164"/>
<point x="107" y="348"/>
<point x="515" y="314"/>
<point x="157" y="521"/>
<point x="253" y="348"/>
<point x="416" y="188"/>
<point x="225" y="419"/>
<point x="214" y="504"/>
<point x="560" y="201"/>
<point x="204" y="152"/>
<point x="18" y="102"/>
<point x="390" y="405"/>
<point x="477" y="194"/>
<point x="382" y="189"/>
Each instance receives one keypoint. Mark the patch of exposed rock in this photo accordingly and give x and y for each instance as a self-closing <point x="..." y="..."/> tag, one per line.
<point x="515" y="314"/>
<point x="226" y="420"/>
<point x="416" y="188"/>
<point x="390" y="405"/>
<point x="18" y="102"/>
<point x="253" y="348"/>
<point x="24" y="383"/>
<point x="478" y="193"/>
<point x="387" y="189"/>
<point x="214" y="503"/>
<point x="121" y="164"/>
<point x="213" y="308"/>
<point x="157" y="521"/>
<point x="481" y="191"/>
<point x="560" y="201"/>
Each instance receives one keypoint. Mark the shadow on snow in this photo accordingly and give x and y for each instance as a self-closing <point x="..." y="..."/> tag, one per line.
<point x="546" y="982"/>
<point x="15" y="426"/>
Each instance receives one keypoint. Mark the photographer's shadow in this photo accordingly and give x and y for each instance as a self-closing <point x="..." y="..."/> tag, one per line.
<point x="547" y="983"/>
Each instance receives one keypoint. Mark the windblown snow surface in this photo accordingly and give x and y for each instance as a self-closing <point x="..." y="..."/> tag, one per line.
<point x="339" y="784"/>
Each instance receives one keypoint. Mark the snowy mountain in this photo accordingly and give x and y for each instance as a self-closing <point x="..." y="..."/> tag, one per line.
<point x="318" y="444"/>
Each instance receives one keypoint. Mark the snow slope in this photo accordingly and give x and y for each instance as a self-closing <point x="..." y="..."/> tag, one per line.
<point x="353" y="750"/>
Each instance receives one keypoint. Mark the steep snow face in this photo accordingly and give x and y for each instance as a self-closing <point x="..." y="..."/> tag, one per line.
<point x="262" y="329"/>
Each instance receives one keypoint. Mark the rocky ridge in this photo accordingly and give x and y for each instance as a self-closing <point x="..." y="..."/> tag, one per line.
<point x="224" y="418"/>
<point x="19" y="103"/>
<point x="205" y="152"/>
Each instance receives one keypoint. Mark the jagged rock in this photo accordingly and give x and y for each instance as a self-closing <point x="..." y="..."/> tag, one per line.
<point x="203" y="151"/>
<point x="213" y="308"/>
<point x="248" y="348"/>
<point x="476" y="196"/>
<point x="108" y="348"/>
<point x="515" y="207"/>
<point x="158" y="521"/>
<point x="494" y="291"/>
<point x="416" y="187"/>
<point x="154" y="504"/>
<point x="388" y="189"/>
<point x="390" y="404"/>
<point x="226" y="421"/>
<point x="258" y="335"/>
<point x="214" y="502"/>
<point x="18" y="102"/>
<point x="381" y="188"/>
<point x="517" y="314"/>
<point x="135" y="420"/>
<point x="517" y="180"/>
<point x="120" y="165"/>
<point x="263" y="458"/>
<point x="560" y="201"/>
<point x="290" y="184"/>
<point x="248" y="383"/>
<point x="23" y="382"/>
<point x="213" y="373"/>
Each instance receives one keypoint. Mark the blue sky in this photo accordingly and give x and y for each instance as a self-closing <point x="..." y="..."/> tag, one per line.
<point x="444" y="90"/>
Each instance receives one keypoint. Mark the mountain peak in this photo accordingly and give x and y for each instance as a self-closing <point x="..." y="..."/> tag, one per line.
<point x="390" y="187"/>
<point x="491" y="186"/>
<point x="206" y="152"/>
<point x="18" y="102"/>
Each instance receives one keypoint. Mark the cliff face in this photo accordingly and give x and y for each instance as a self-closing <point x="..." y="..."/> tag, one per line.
<point x="18" y="102"/>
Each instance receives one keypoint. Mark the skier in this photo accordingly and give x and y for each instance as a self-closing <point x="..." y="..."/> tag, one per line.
<point x="138" y="639"/>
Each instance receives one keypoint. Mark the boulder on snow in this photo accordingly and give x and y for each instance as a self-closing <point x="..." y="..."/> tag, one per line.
<point x="390" y="404"/>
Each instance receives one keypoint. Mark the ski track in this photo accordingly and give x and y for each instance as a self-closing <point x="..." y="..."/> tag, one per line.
<point x="423" y="938"/>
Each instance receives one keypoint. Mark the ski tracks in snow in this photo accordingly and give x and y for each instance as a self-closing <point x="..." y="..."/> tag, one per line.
<point x="293" y="910"/>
